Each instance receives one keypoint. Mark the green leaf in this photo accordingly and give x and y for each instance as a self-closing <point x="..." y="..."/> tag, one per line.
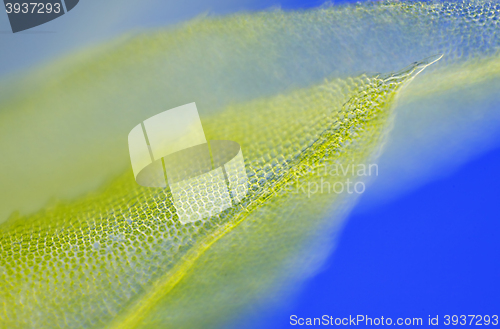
<point x="286" y="86"/>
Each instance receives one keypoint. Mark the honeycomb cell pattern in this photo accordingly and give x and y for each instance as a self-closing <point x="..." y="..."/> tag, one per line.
<point x="83" y="263"/>
<point x="56" y="265"/>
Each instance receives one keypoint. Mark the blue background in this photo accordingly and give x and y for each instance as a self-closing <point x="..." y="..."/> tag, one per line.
<point x="434" y="251"/>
